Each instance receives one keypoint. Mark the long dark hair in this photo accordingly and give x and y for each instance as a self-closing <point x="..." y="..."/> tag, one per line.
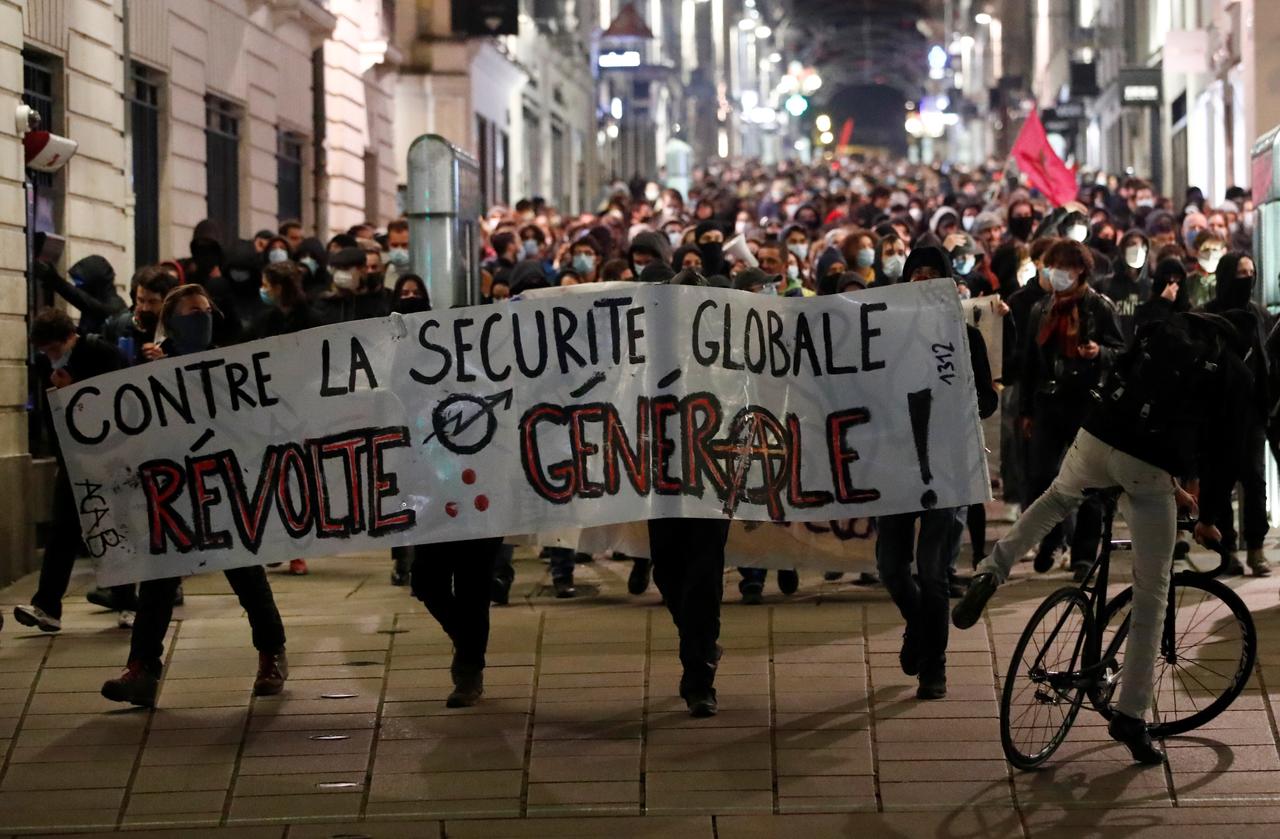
<point x="286" y="279"/>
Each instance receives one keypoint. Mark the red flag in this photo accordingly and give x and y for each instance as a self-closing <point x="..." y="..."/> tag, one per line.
<point x="1042" y="166"/>
<point x="846" y="132"/>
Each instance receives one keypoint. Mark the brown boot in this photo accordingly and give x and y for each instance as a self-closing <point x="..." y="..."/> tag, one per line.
<point x="273" y="669"/>
<point x="467" y="689"/>
<point x="137" y="685"/>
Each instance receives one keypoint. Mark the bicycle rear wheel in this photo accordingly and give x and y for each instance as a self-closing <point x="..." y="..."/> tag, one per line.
<point x="1204" y="660"/>
<point x="1038" y="703"/>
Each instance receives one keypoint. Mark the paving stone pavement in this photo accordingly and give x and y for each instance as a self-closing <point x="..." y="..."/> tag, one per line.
<point x="581" y="732"/>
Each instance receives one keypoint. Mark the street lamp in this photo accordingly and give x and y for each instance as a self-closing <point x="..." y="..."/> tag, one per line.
<point x="826" y="138"/>
<point x="822" y="123"/>
<point x="982" y="19"/>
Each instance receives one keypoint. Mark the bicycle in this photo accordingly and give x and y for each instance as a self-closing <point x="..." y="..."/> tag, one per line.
<point x="1076" y="640"/>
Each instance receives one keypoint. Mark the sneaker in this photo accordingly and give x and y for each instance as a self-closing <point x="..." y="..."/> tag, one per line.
<point x="788" y="582"/>
<point x="582" y="558"/>
<point x="641" y="573"/>
<point x="298" y="567"/>
<point x="179" y="597"/>
<point x="1133" y="733"/>
<point x="1258" y="564"/>
<point x="37" y="617"/>
<point x="273" y="669"/>
<point x="752" y="593"/>
<point x="564" y="587"/>
<point x="702" y="703"/>
<point x="500" y="589"/>
<point x="106" y="598"/>
<point x="125" y="618"/>
<point x="832" y="576"/>
<point x="966" y="613"/>
<point x="933" y="683"/>
<point x="137" y="685"/>
<point x="467" y="690"/>
<point x="1181" y="549"/>
<point x="868" y="578"/>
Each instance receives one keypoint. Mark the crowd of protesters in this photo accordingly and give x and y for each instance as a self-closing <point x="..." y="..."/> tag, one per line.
<point x="1074" y="283"/>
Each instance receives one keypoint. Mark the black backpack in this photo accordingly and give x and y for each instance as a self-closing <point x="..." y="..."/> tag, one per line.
<point x="1164" y="379"/>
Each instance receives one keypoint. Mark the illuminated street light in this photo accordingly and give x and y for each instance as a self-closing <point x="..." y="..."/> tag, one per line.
<point x="612" y="131"/>
<point x="615" y="108"/>
<point x="982" y="19"/>
<point x="763" y="32"/>
<point x="937" y="58"/>
<point x="796" y="105"/>
<point x="826" y="138"/>
<point x="823" y="122"/>
<point x="775" y="58"/>
<point x="811" y="83"/>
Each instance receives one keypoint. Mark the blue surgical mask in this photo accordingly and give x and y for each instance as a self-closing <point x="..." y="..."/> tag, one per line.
<point x="964" y="264"/>
<point x="266" y="297"/>
<point x="893" y="265"/>
<point x="584" y="263"/>
<point x="398" y="257"/>
<point x="277" y="255"/>
<point x="528" y="249"/>
<point x="1060" y="279"/>
<point x="192" y="332"/>
<point x="311" y="264"/>
<point x="865" y="258"/>
<point x="793" y="272"/>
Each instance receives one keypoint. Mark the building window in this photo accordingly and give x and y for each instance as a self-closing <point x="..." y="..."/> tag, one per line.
<point x="559" y="166"/>
<point x="144" y="113"/>
<point x="222" y="166"/>
<point x="485" y="157"/>
<point x="39" y="77"/>
<point x="532" y="155"/>
<point x="288" y="175"/>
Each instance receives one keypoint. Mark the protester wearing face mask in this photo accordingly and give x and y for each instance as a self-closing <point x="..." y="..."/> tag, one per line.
<point x="1072" y="337"/>
<point x="923" y="598"/>
<point x="1013" y="269"/>
<point x="1209" y="250"/>
<point x="349" y="299"/>
<point x="796" y="238"/>
<point x="91" y="290"/>
<point x="1234" y="300"/>
<point x="1193" y="224"/>
<point x="286" y="307"/>
<point x="133" y="331"/>
<point x="648" y="247"/>
<point x="187" y="318"/>
<point x="277" y="250"/>
<point x="859" y="252"/>
<point x="709" y="238"/>
<point x="1130" y="283"/>
<point x="891" y="258"/>
<point x="396" y="258"/>
<point x="64" y="358"/>
<point x="584" y="259"/>
<point x="1168" y="293"/>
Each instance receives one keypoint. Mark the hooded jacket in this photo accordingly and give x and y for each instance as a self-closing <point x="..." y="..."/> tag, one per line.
<point x="1050" y="380"/>
<point x="654" y="244"/>
<point x="1233" y="299"/>
<point x="93" y="292"/>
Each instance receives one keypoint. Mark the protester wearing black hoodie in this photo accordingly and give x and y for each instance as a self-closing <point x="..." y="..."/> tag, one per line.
<point x="1169" y="293"/>
<point x="1233" y="300"/>
<point x="646" y="248"/>
<point x="92" y="290"/>
<point x="1130" y="281"/>
<point x="924" y="599"/>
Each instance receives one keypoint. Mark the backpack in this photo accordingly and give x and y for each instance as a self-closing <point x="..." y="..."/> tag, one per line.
<point x="1163" y="380"/>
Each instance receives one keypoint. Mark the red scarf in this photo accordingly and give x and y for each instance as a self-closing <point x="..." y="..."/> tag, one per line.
<point x="1063" y="322"/>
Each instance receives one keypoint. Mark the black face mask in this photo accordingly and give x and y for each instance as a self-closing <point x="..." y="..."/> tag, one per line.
<point x="712" y="253"/>
<point x="411" y="305"/>
<point x="1021" y="227"/>
<point x="146" y="321"/>
<point x="1239" y="293"/>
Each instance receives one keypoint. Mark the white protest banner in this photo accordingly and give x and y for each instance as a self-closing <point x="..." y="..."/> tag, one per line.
<point x="984" y="313"/>
<point x="595" y="408"/>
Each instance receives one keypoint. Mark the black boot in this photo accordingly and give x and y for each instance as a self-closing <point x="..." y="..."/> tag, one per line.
<point x="641" y="572"/>
<point x="1134" y="734"/>
<point x="468" y="687"/>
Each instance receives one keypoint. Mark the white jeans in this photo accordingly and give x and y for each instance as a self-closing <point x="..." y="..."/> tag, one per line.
<point x="1148" y="506"/>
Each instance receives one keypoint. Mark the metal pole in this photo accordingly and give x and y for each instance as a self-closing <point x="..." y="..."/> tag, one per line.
<point x="443" y="206"/>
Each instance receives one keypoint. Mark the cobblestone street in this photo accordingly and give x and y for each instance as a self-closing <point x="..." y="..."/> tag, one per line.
<point x="580" y="732"/>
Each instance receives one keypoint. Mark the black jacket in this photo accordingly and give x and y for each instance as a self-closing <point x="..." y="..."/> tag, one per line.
<point x="341" y="307"/>
<point x="1127" y="294"/>
<point x="95" y="296"/>
<point x="1046" y="374"/>
<point x="1021" y="302"/>
<point x="122" y="325"/>
<point x="276" y="321"/>
<point x="90" y="357"/>
<point x="988" y="399"/>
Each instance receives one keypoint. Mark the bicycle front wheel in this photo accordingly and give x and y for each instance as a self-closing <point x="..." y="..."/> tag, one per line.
<point x="1207" y="651"/>
<point x="1040" y="699"/>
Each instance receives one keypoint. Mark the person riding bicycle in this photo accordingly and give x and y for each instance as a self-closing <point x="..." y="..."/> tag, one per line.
<point x="1172" y="405"/>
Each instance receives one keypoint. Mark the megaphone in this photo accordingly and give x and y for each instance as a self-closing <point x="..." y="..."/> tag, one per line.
<point x="736" y="248"/>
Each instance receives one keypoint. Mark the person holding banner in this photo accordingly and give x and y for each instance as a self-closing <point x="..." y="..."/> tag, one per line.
<point x="924" y="599"/>
<point x="65" y="358"/>
<point x="187" y="318"/>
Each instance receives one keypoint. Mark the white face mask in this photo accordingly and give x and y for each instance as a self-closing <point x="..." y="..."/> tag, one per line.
<point x="1135" y="257"/>
<point x="967" y="222"/>
<point x="1078" y="232"/>
<point x="793" y="272"/>
<point x="1026" y="273"/>
<point x="740" y="226"/>
<point x="345" y="279"/>
<point x="674" y="238"/>
<point x="1060" y="279"/>
<point x="800" y="249"/>
<point x="916" y="213"/>
<point x="1209" y="261"/>
<point x="893" y="265"/>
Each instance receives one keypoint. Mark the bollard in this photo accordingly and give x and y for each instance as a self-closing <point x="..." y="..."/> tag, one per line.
<point x="443" y="208"/>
